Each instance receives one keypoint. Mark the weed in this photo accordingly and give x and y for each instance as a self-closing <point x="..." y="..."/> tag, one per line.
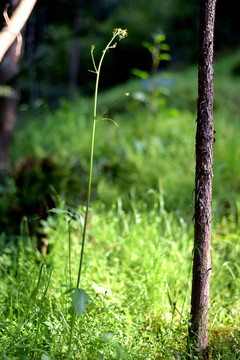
<point x="79" y="297"/>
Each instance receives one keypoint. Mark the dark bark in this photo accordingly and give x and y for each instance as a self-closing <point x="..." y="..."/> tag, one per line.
<point x="203" y="181"/>
<point x="9" y="69"/>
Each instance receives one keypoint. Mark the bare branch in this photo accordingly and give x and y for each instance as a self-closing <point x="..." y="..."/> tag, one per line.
<point x="14" y="26"/>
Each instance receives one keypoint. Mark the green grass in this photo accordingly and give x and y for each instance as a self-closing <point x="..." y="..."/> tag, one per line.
<point x="137" y="265"/>
<point x="137" y="270"/>
<point x="145" y="150"/>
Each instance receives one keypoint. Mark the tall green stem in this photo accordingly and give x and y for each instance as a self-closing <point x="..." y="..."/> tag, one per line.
<point x="91" y="162"/>
<point x="88" y="202"/>
<point x="121" y="33"/>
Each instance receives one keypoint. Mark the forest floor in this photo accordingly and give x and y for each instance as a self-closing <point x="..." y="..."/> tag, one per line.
<point x="137" y="263"/>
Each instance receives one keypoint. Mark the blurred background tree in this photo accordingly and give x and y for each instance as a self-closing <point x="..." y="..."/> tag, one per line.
<point x="15" y="14"/>
<point x="55" y="62"/>
<point x="60" y="33"/>
<point x="9" y="70"/>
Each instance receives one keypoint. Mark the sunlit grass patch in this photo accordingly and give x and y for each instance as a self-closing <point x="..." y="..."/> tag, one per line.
<point x="137" y="271"/>
<point x="137" y="264"/>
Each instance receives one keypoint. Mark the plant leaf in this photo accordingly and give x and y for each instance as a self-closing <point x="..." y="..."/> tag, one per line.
<point x="164" y="56"/>
<point x="114" y="102"/>
<point x="70" y="290"/>
<point x="79" y="300"/>
<point x="148" y="46"/>
<point x="59" y="211"/>
<point x="108" y="119"/>
<point x="75" y="215"/>
<point x="159" y="38"/>
<point x="140" y="73"/>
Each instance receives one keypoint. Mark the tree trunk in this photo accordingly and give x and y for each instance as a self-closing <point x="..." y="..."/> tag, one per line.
<point x="8" y="98"/>
<point x="203" y="181"/>
<point x="18" y="12"/>
<point x="15" y="24"/>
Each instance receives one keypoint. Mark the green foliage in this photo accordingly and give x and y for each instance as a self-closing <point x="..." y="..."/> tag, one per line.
<point x="137" y="270"/>
<point x="119" y="152"/>
<point x="159" y="49"/>
<point x="79" y="300"/>
<point x="50" y="35"/>
<point x="144" y="151"/>
<point x="79" y="297"/>
<point x="154" y="93"/>
<point x="137" y="261"/>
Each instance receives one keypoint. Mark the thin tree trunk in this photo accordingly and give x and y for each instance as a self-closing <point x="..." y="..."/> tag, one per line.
<point x="8" y="99"/>
<point x="16" y="14"/>
<point x="15" y="24"/>
<point x="203" y="181"/>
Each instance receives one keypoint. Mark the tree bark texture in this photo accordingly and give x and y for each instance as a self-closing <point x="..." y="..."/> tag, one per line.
<point x="203" y="180"/>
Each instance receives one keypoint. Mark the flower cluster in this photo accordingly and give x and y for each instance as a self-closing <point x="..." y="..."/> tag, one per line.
<point x="121" y="33"/>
